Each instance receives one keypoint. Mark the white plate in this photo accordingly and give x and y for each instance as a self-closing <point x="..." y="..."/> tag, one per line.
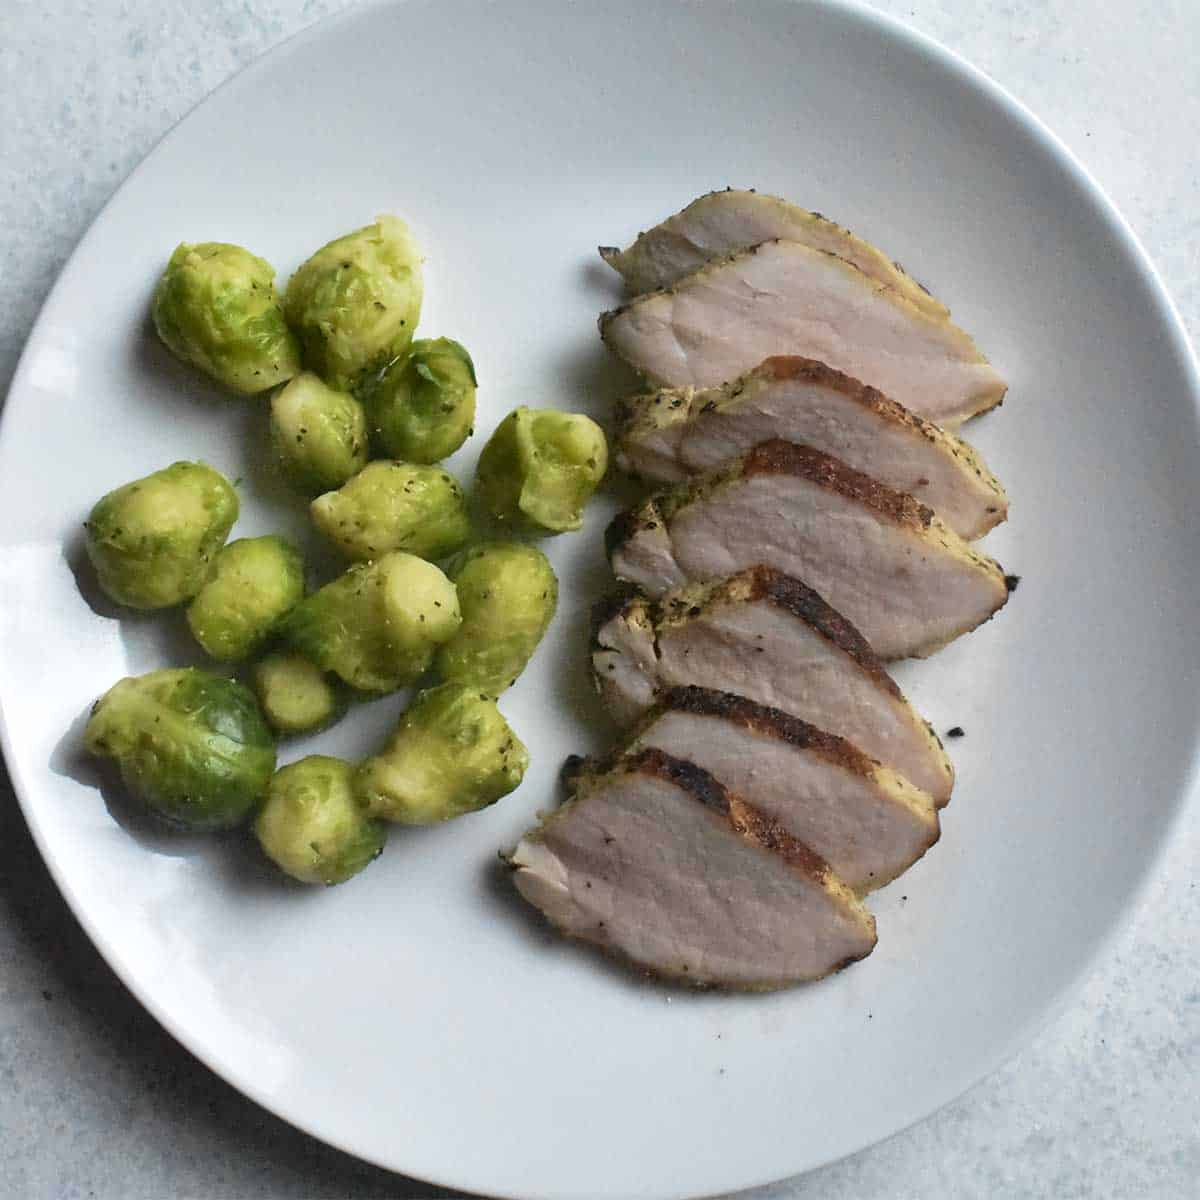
<point x="418" y="1017"/>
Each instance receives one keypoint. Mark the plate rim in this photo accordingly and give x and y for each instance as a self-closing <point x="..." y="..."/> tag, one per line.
<point x="1179" y="343"/>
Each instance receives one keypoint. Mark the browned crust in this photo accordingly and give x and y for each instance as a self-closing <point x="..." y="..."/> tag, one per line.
<point x="783" y="367"/>
<point x="610" y="606"/>
<point x="627" y="523"/>
<point x="743" y="817"/>
<point x="743" y="821"/>
<point x="574" y="765"/>
<point x="694" y="780"/>
<point x="761" y="719"/>
<point x="801" y="601"/>
<point x="777" y="457"/>
<point x="774" y="457"/>
<point x="812" y="370"/>
<point x="797" y="599"/>
<point x="757" y="827"/>
<point x="624" y="411"/>
<point x="753" y="584"/>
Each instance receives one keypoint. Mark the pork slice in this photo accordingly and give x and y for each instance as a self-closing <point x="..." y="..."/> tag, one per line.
<point x="674" y="433"/>
<point x="770" y="638"/>
<point x="865" y="820"/>
<point x="624" y="654"/>
<point x="722" y="223"/>
<point x="784" y="298"/>
<point x="653" y="860"/>
<point x="883" y="560"/>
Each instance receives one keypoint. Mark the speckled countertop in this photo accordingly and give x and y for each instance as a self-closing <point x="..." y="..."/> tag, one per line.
<point x="97" y="1101"/>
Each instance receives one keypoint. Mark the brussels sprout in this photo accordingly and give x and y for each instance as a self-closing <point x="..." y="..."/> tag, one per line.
<point x="296" y="696"/>
<point x="453" y="753"/>
<point x="216" y="307"/>
<point x="255" y="583"/>
<point x="508" y="593"/>
<point x="540" y="468"/>
<point x="190" y="745"/>
<point x="377" y="625"/>
<point x="422" y="407"/>
<point x="319" y="435"/>
<point x="356" y="302"/>
<point x="395" y="506"/>
<point x="312" y="825"/>
<point x="152" y="540"/>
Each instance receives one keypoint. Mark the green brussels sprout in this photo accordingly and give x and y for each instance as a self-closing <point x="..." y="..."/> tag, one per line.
<point x="216" y="307"/>
<point x="319" y="434"/>
<point x="422" y="407"/>
<point x="312" y="825"/>
<point x="255" y="583"/>
<point x="152" y="540"/>
<point x="356" y="302"/>
<point x="540" y="468"/>
<point x="453" y="753"/>
<point x="377" y="625"/>
<point x="296" y="696"/>
<point x="395" y="506"/>
<point x="192" y="746"/>
<point x="508" y="593"/>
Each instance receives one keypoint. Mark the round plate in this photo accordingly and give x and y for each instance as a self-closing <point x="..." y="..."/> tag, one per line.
<point x="421" y="1017"/>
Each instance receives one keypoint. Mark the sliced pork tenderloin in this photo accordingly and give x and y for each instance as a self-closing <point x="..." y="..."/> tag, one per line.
<point x="865" y="820"/>
<point x="770" y="638"/>
<point x="670" y="435"/>
<point x="786" y="298"/>
<point x="655" y="861"/>
<point x="879" y="557"/>
<point x="722" y="223"/>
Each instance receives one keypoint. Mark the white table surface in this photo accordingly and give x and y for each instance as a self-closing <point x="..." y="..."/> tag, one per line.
<point x="97" y="1101"/>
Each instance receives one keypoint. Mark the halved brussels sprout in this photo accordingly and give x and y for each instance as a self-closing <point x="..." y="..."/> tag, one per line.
<point x="216" y="307"/>
<point x="296" y="696"/>
<point x="152" y="540"/>
<point x="313" y="827"/>
<point x="540" y="468"/>
<point x="508" y="593"/>
<point x="395" y="506"/>
<point x="319" y="434"/>
<point x="255" y="583"/>
<point x="422" y="407"/>
<point x="453" y="753"/>
<point x="192" y="746"/>
<point x="356" y="302"/>
<point x="377" y="625"/>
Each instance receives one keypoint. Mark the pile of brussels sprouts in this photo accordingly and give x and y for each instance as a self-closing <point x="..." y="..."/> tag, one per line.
<point x="348" y="384"/>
